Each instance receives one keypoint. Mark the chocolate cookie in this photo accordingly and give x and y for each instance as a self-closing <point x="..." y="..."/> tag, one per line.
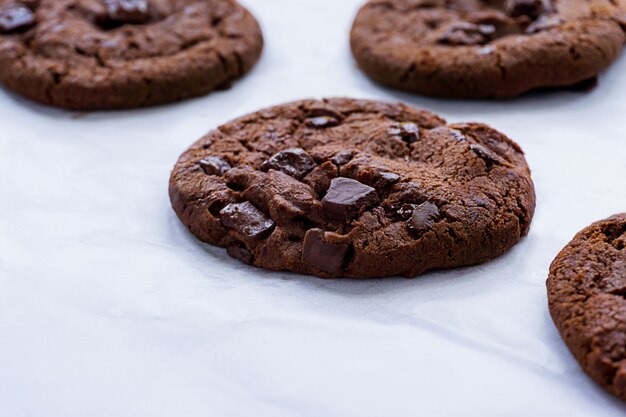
<point x="587" y="298"/>
<point x="354" y="188"/>
<point x="486" y="48"/>
<point x="112" y="54"/>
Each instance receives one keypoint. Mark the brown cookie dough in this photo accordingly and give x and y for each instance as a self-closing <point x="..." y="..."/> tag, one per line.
<point x="354" y="188"/>
<point x="113" y="54"/>
<point x="486" y="48"/>
<point x="587" y="299"/>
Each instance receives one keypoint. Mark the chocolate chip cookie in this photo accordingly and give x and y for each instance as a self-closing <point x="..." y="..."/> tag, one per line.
<point x="113" y="54"/>
<point x="354" y="188"/>
<point x="587" y="299"/>
<point x="486" y="48"/>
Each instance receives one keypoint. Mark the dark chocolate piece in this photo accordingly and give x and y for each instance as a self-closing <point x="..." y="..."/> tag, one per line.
<point x="424" y="217"/>
<point x="325" y="256"/>
<point x="409" y="132"/>
<point x="545" y="22"/>
<point x="530" y="8"/>
<point x="465" y="33"/>
<point x="293" y="162"/>
<point x="485" y="154"/>
<point x="342" y="158"/>
<point x="214" y="165"/>
<point x="15" y="17"/>
<point x="321" y="122"/>
<point x="247" y="220"/>
<point x="126" y="11"/>
<point x="347" y="197"/>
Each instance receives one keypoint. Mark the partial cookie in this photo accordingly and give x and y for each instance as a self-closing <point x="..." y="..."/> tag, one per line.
<point x="486" y="49"/>
<point x="113" y="54"/>
<point x="354" y="188"/>
<point x="587" y="299"/>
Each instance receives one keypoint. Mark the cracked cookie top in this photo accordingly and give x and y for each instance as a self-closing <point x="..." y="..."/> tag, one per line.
<point x="92" y="54"/>
<point x="587" y="299"/>
<point x="354" y="188"/>
<point x="486" y="48"/>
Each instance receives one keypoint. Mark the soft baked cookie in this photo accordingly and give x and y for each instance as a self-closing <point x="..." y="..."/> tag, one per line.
<point x="482" y="49"/>
<point x="354" y="188"/>
<point x="111" y="54"/>
<point x="587" y="299"/>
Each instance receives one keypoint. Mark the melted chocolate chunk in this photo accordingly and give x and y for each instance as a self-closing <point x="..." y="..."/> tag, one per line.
<point x="423" y="218"/>
<point x="465" y="33"/>
<point x="241" y="253"/>
<point x="485" y="154"/>
<point x="15" y="17"/>
<point x="530" y="8"/>
<point x="325" y="256"/>
<point x="346" y="198"/>
<point x="250" y="222"/>
<point x="125" y="11"/>
<point x="214" y="165"/>
<point x="342" y="158"/>
<point x="293" y="162"/>
<point x="545" y="22"/>
<point x="321" y="122"/>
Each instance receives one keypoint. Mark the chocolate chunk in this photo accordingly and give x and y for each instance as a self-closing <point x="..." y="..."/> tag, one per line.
<point x="504" y="24"/>
<point x="241" y="253"/>
<point x="293" y="162"/>
<point x="405" y="211"/>
<point x="347" y="197"/>
<point x="126" y="11"/>
<point x="250" y="222"/>
<point x="325" y="256"/>
<point x="409" y="132"/>
<point x="321" y="122"/>
<point x="15" y="17"/>
<point x="424" y="217"/>
<point x="321" y="111"/>
<point x="465" y="33"/>
<point x="545" y="22"/>
<point x="214" y="165"/>
<point x="530" y="8"/>
<point x="387" y="179"/>
<point x="485" y="154"/>
<point x="342" y="158"/>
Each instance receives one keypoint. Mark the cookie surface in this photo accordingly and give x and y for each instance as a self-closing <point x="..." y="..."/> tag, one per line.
<point x="111" y="54"/>
<point x="354" y="188"/>
<point x="486" y="49"/>
<point x="587" y="299"/>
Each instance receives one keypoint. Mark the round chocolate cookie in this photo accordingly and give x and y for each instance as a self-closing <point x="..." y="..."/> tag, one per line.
<point x="113" y="54"/>
<point x="354" y="188"/>
<point x="587" y="299"/>
<point x="486" y="48"/>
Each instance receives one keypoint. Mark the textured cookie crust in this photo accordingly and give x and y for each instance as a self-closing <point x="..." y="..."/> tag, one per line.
<point x="486" y="49"/>
<point x="587" y="299"/>
<point x="354" y="188"/>
<point x="80" y="55"/>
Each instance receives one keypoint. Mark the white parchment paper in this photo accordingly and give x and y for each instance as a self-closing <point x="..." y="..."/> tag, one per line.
<point x="108" y="307"/>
